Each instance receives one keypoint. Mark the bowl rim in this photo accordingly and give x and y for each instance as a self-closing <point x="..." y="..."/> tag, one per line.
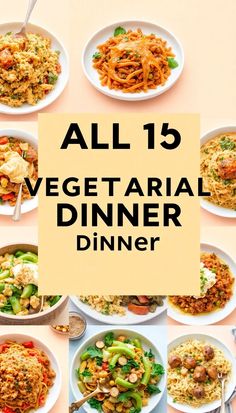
<point x="58" y="384"/>
<point x="141" y="96"/>
<point x="199" y="336"/>
<point x="34" y="108"/>
<point x="43" y="313"/>
<point x="123" y="330"/>
<point x="205" y="204"/>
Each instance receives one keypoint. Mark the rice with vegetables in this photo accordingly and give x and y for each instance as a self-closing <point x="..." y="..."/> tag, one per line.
<point x="118" y="304"/>
<point x="18" y="160"/>
<point x="29" y="69"/>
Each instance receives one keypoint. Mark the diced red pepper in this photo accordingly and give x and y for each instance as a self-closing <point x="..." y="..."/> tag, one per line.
<point x="7" y="197"/>
<point x="4" y="140"/>
<point x="28" y="344"/>
<point x="7" y="410"/>
<point x="105" y="365"/>
<point x="3" y="347"/>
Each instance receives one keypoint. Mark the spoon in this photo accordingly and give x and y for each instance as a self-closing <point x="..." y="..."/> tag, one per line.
<point x="222" y="379"/>
<point x="17" y="210"/>
<point x="76" y="405"/>
<point x="22" y="32"/>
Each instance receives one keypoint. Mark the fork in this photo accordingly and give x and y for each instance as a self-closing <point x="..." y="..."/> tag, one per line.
<point x="22" y="32"/>
<point x="222" y="379"/>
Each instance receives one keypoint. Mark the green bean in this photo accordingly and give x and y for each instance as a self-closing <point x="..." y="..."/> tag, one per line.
<point x="28" y="291"/>
<point x="19" y="253"/>
<point x="114" y="360"/>
<point x="121" y="343"/>
<point x="2" y="287"/>
<point x="15" y="303"/>
<point x="85" y="356"/>
<point x="147" y="373"/>
<point x="54" y="300"/>
<point x="124" y="383"/>
<point x="4" y="274"/>
<point x="122" y="350"/>
<point x="136" y="396"/>
<point x="29" y="257"/>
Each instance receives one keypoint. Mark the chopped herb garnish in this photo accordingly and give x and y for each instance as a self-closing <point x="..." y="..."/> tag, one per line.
<point x="119" y="30"/>
<point x="172" y="63"/>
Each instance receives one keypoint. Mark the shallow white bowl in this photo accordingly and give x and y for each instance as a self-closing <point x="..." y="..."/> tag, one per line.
<point x="62" y="78"/>
<point x="230" y="385"/>
<point x="147" y="344"/>
<point x="127" y="319"/>
<point x="208" y="206"/>
<point x="215" y="316"/>
<point x="32" y="203"/>
<point x="54" y="391"/>
<point x="147" y="28"/>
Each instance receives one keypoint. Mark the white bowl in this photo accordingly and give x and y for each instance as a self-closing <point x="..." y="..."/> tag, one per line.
<point x="102" y="35"/>
<point x="29" y="204"/>
<point x="62" y="78"/>
<point x="127" y="319"/>
<point x="147" y="344"/>
<point x="209" y="206"/>
<point x="54" y="391"/>
<point x="208" y="318"/>
<point x="230" y="385"/>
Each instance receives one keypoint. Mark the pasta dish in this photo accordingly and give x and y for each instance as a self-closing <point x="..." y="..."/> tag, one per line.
<point x="128" y="372"/>
<point x="218" y="169"/>
<point x="29" y="69"/>
<point x="26" y="377"/>
<point x="133" y="62"/>
<point x="193" y="373"/>
<point x="18" y="160"/>
<point x="216" y="282"/>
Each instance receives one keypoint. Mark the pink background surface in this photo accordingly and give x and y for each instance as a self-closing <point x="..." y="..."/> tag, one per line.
<point x="58" y="345"/>
<point x="221" y="333"/>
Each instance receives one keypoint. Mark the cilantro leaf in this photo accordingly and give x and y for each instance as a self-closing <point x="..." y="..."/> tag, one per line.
<point x="119" y="30"/>
<point x="97" y="55"/>
<point x="129" y="365"/>
<point x="95" y="404"/>
<point x="152" y="389"/>
<point x="108" y="339"/>
<point x="94" y="352"/>
<point x="86" y="373"/>
<point x="157" y="370"/>
<point x="149" y="354"/>
<point x="172" y="63"/>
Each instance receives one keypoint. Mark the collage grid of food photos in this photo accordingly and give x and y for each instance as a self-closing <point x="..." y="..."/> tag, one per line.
<point x="125" y="354"/>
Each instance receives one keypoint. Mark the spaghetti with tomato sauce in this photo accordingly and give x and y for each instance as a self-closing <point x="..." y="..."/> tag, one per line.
<point x="25" y="377"/>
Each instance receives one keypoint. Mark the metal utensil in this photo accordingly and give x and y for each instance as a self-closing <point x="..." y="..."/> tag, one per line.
<point x="17" y="210"/>
<point x="76" y="405"/>
<point x="222" y="379"/>
<point x="22" y="32"/>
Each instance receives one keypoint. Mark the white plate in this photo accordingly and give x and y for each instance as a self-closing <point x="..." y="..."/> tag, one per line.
<point x="215" y="316"/>
<point x="209" y="206"/>
<point x="230" y="385"/>
<point x="29" y="204"/>
<point x="102" y="35"/>
<point x="147" y="344"/>
<point x="127" y="319"/>
<point x="54" y="391"/>
<point x="62" y="78"/>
